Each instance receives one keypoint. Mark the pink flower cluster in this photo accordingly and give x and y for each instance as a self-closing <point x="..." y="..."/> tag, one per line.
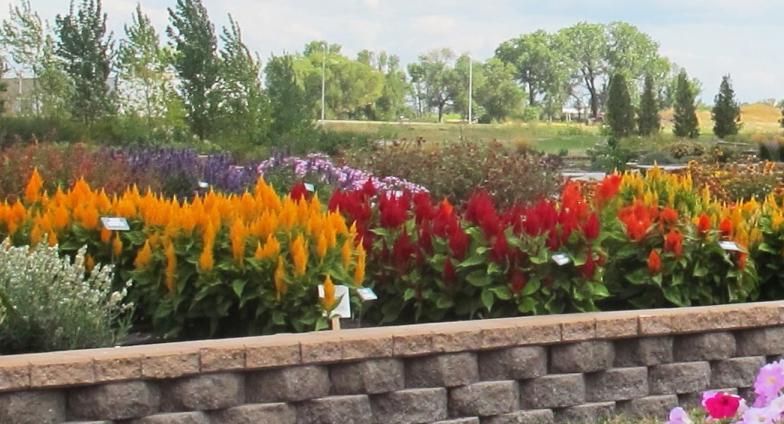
<point x="768" y="406"/>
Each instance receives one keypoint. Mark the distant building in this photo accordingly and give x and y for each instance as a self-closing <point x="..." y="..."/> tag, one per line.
<point x="16" y="93"/>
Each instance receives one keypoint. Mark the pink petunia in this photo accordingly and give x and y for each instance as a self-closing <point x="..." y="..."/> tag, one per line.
<point x="769" y="383"/>
<point x="722" y="405"/>
<point x="679" y="416"/>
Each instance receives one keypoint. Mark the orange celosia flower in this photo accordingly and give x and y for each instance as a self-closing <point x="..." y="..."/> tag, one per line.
<point x="321" y="246"/>
<point x="280" y="278"/>
<point x="117" y="245"/>
<point x="144" y="256"/>
<point x="106" y="235"/>
<point x="299" y="255"/>
<point x="270" y="249"/>
<point x="52" y="238"/>
<point x="742" y="260"/>
<point x="669" y="216"/>
<point x="33" y="189"/>
<point x="704" y="224"/>
<point x="654" y="262"/>
<point x="345" y="254"/>
<point x="328" y="301"/>
<point x="673" y="242"/>
<point x="171" y="266"/>
<point x="89" y="263"/>
<point x="637" y="218"/>
<point x="35" y="235"/>
<point x="237" y="234"/>
<point x="61" y="217"/>
<point x="725" y="227"/>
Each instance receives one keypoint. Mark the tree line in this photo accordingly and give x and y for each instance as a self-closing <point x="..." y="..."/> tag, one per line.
<point x="196" y="79"/>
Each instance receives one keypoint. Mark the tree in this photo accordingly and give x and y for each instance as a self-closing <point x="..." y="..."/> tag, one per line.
<point x="290" y="109"/>
<point x="499" y="96"/>
<point x="620" y="113"/>
<point x="142" y="65"/>
<point x="244" y="109"/>
<point x="538" y="61"/>
<point x="23" y="35"/>
<point x="686" y="123"/>
<point x="726" y="110"/>
<point x="649" y="121"/>
<point x="3" y="86"/>
<point x="87" y="52"/>
<point x="586" y="47"/>
<point x="434" y="79"/>
<point x="196" y="62"/>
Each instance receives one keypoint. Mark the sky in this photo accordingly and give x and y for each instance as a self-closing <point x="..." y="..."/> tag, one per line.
<point x="710" y="38"/>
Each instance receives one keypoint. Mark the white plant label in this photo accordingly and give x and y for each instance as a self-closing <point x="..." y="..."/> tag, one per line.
<point x="367" y="294"/>
<point x="730" y="246"/>
<point x="113" y="223"/>
<point x="561" y="259"/>
<point x="310" y="187"/>
<point x="343" y="310"/>
<point x="204" y="184"/>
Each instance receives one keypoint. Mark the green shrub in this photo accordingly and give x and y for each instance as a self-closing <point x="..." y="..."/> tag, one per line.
<point x="50" y="303"/>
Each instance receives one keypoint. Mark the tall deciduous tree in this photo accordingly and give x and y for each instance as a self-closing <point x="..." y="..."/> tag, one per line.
<point x="22" y="34"/>
<point x="434" y="78"/>
<point x="244" y="109"/>
<point x="685" y="116"/>
<point x="539" y="63"/>
<point x="726" y="110"/>
<point x="620" y="113"/>
<point x="290" y="108"/>
<point x="499" y="96"/>
<point x="142" y="64"/>
<point x="586" y="48"/>
<point x="649" y="121"/>
<point x="87" y="52"/>
<point x="193" y="37"/>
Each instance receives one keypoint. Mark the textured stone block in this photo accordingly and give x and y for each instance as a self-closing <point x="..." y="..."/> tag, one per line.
<point x="760" y="341"/>
<point x="175" y="418"/>
<point x="267" y="413"/>
<point x="536" y="416"/>
<point x="412" y="343"/>
<point x="288" y="384"/>
<point x="586" y="413"/>
<point x="678" y="378"/>
<point x="365" y="344"/>
<point x="643" y="351"/>
<point x="117" y="365"/>
<point x="445" y="370"/>
<point x="578" y="328"/>
<point x="14" y="374"/>
<point x="515" y="332"/>
<point x="647" y="407"/>
<point x="50" y="371"/>
<point x="553" y="391"/>
<point x="272" y="351"/>
<point x="485" y="398"/>
<point x="165" y="363"/>
<point x="515" y="363"/>
<point x="226" y="357"/>
<point x="704" y="347"/>
<point x="318" y="348"/>
<point x="203" y="392"/>
<point x="114" y="401"/>
<point x="469" y="420"/>
<point x="368" y="377"/>
<point x="736" y="372"/>
<point x="410" y="406"/>
<point x="32" y="407"/>
<point x="616" y="384"/>
<point x="581" y="357"/>
<point x="353" y="409"/>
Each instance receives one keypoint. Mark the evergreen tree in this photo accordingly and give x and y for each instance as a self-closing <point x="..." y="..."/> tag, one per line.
<point x="726" y="110"/>
<point x="686" y="123"/>
<point x="649" y="121"/>
<point x="196" y="62"/>
<point x="244" y="109"/>
<point x="87" y="52"/>
<point x="290" y="109"/>
<point x="620" y="114"/>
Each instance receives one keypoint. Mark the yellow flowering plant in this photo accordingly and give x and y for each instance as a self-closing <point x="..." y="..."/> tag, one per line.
<point x="213" y="265"/>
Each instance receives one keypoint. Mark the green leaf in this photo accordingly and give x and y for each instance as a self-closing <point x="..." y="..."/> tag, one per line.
<point x="408" y="294"/>
<point x="444" y="303"/>
<point x="531" y="287"/>
<point x="472" y="260"/>
<point x="487" y="299"/>
<point x="527" y="305"/>
<point x="700" y="271"/>
<point x="502" y="292"/>
<point x="238" y="286"/>
<point x="765" y="247"/>
<point x="478" y="278"/>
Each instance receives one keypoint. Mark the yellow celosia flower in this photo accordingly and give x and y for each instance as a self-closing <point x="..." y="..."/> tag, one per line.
<point x="237" y="234"/>
<point x="106" y="235"/>
<point x="359" y="271"/>
<point x="52" y="238"/>
<point x="117" y="245"/>
<point x="280" y="278"/>
<point x="171" y="266"/>
<point x="144" y="256"/>
<point x="328" y="301"/>
<point x="33" y="189"/>
<point x="89" y="263"/>
<point x="345" y="254"/>
<point x="299" y="255"/>
<point x="321" y="246"/>
<point x="270" y="249"/>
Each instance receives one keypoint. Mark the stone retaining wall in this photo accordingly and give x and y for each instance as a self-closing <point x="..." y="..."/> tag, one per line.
<point x="523" y="370"/>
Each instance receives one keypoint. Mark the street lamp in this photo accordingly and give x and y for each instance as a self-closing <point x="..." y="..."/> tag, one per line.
<point x="470" y="90"/>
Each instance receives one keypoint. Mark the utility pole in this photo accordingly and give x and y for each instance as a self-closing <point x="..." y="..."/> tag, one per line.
<point x="323" y="80"/>
<point x="470" y="90"/>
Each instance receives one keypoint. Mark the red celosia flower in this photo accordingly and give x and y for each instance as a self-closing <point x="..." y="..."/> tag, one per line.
<point x="637" y="219"/>
<point x="480" y="211"/>
<point x="423" y="207"/>
<point x="449" y="273"/>
<point x="458" y="242"/>
<point x="393" y="210"/>
<point x="704" y="224"/>
<point x="500" y="248"/>
<point x="607" y="189"/>
<point x="572" y="200"/>
<point x="725" y="227"/>
<point x="402" y="251"/>
<point x="588" y="270"/>
<point x="654" y="262"/>
<point x="669" y="216"/>
<point x="368" y="189"/>
<point x="299" y="191"/>
<point x="591" y="227"/>
<point x="542" y="217"/>
<point x="673" y="242"/>
<point x="722" y="405"/>
<point x="742" y="260"/>
<point x="517" y="281"/>
<point x="425" y="239"/>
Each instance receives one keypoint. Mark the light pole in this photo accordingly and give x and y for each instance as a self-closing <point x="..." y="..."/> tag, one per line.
<point x="470" y="90"/>
<point x="323" y="80"/>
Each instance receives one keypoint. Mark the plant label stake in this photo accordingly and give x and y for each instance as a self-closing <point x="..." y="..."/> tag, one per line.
<point x="343" y="309"/>
<point x="310" y="187"/>
<point x="730" y="246"/>
<point x="367" y="294"/>
<point x="115" y="223"/>
<point x="561" y="259"/>
<point x="204" y="185"/>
